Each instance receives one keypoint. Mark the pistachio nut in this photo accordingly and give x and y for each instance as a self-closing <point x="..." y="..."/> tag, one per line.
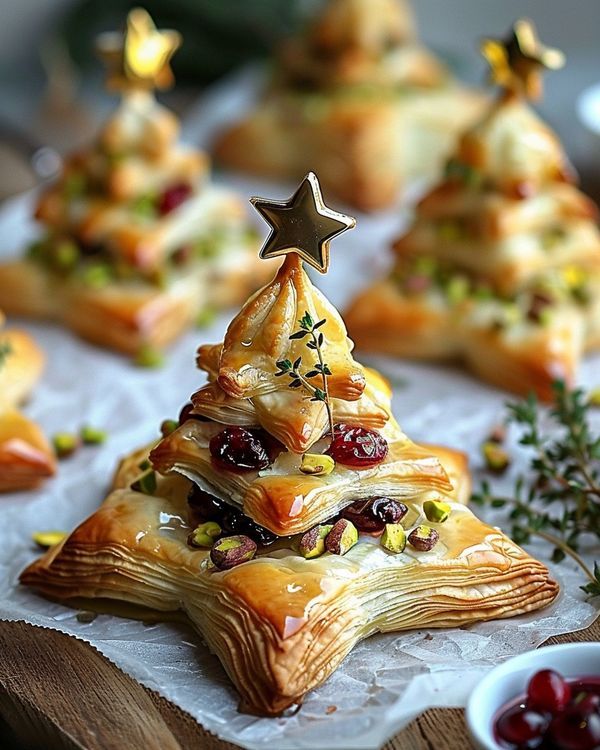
<point x="423" y="538"/>
<point x="230" y="551"/>
<point x="594" y="397"/>
<point x="48" y="539"/>
<point x="65" y="444"/>
<point x="168" y="426"/>
<point x="146" y="483"/>
<point x="92" y="435"/>
<point x="312" y="543"/>
<point x="393" y="538"/>
<point x="342" y="537"/>
<point x="318" y="464"/>
<point x="495" y="457"/>
<point x="436" y="511"/>
<point x="204" y="535"/>
<point x="147" y="356"/>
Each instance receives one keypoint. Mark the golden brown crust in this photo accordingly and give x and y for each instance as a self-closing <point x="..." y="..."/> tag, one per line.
<point x="528" y="359"/>
<point x="359" y="142"/>
<point x="26" y="458"/>
<point x="126" y="316"/>
<point x="281" y="624"/>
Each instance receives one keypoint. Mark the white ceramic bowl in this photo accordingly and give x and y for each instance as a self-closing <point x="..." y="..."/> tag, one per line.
<point x="508" y="680"/>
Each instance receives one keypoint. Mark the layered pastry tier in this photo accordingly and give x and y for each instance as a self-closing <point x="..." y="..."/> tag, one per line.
<point x="281" y="497"/>
<point x="281" y="624"/>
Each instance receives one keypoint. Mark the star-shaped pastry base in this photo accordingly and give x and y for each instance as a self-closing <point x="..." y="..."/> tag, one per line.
<point x="303" y="224"/>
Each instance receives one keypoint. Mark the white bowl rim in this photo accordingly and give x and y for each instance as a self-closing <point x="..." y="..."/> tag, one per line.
<point x="514" y="664"/>
<point x="588" y="108"/>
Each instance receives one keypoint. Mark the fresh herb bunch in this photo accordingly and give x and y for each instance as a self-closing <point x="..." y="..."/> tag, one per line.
<point x="5" y="350"/>
<point x="319" y="368"/>
<point x="560" y="500"/>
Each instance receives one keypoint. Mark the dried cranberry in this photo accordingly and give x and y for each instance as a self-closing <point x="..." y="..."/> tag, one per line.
<point x="357" y="446"/>
<point x="576" y="729"/>
<point x="240" y="449"/>
<point x="361" y="515"/>
<point x="206" y="507"/>
<point x="522" y="727"/>
<point x="539" y="303"/>
<point x="186" y="413"/>
<point x="389" y="510"/>
<point x="547" y="691"/>
<point x="173" y="197"/>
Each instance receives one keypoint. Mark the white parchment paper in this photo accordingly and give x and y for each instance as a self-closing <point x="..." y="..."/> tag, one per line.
<point x="386" y="680"/>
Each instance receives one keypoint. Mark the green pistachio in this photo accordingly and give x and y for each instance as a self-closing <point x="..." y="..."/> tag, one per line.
<point x="450" y="230"/>
<point x="65" y="255"/>
<point x="342" y="537"/>
<point x="423" y="538"/>
<point x="393" y="538"/>
<point x="496" y="458"/>
<point x="312" y="543"/>
<point x="148" y="356"/>
<point x="552" y="237"/>
<point x="594" y="397"/>
<point x="168" y="426"/>
<point x="205" y="317"/>
<point x="48" y="539"/>
<point x="92" y="435"/>
<point x="145" y="464"/>
<point x="204" y="535"/>
<point x="425" y="266"/>
<point x="457" y="289"/>
<point x="317" y="464"/>
<point x="37" y="251"/>
<point x="146" y="483"/>
<point x="436" y="511"/>
<point x="230" y="551"/>
<point x="65" y="444"/>
<point x="85" y="616"/>
<point x="465" y="173"/>
<point x="74" y="185"/>
<point x="97" y="275"/>
<point x="144" y="207"/>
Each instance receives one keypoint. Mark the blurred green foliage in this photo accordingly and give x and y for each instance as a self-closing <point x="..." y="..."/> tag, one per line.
<point x="218" y="35"/>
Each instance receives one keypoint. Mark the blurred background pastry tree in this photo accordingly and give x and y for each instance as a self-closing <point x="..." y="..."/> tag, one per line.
<point x="501" y="266"/>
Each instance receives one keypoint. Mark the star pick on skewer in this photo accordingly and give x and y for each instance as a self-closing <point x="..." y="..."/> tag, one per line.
<point x="139" y="58"/>
<point x="303" y="224"/>
<point x="516" y="62"/>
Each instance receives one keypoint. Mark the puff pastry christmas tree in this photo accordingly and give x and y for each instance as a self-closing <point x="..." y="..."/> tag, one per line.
<point x="138" y="244"/>
<point x="26" y="458"/>
<point x="300" y="518"/>
<point x="502" y="264"/>
<point x="358" y="95"/>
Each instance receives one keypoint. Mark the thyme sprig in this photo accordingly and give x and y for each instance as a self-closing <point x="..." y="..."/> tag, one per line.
<point x="5" y="351"/>
<point x="559" y="499"/>
<point x="308" y="327"/>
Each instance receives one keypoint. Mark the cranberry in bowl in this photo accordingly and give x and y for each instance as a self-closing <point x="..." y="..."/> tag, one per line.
<point x="537" y="694"/>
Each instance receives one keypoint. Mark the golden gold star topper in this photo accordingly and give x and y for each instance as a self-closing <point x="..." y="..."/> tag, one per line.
<point x="516" y="62"/>
<point x="303" y="224"/>
<point x="139" y="58"/>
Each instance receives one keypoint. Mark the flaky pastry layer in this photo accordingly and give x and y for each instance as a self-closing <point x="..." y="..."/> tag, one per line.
<point x="281" y="624"/>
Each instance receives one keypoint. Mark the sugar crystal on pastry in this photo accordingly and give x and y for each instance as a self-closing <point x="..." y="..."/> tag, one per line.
<point x="280" y="559"/>
<point x="137" y="242"/>
<point x="501" y="266"/>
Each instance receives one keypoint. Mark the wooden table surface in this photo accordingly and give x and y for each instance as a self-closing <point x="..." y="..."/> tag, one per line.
<point x="58" y="693"/>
